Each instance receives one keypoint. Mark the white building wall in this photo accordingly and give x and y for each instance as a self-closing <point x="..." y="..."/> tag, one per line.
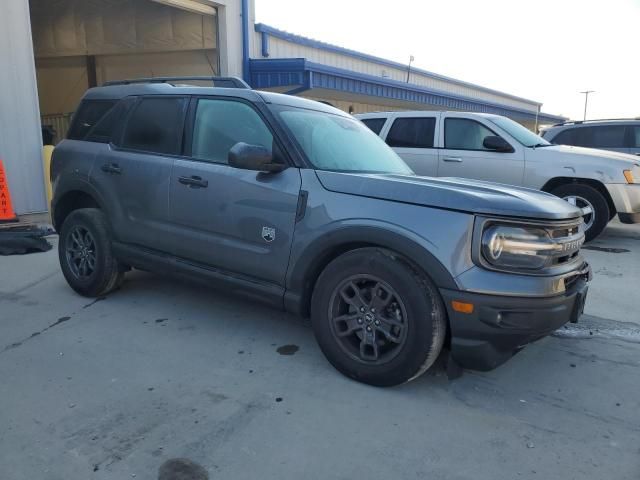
<point x="280" y="48"/>
<point x="20" y="135"/>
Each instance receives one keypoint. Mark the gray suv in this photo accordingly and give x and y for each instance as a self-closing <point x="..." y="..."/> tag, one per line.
<point x="297" y="204"/>
<point x="621" y="135"/>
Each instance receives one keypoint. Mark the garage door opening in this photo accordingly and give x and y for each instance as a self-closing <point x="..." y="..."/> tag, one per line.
<point x="80" y="44"/>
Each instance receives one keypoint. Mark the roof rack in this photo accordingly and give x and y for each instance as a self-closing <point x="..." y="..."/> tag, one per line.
<point x="224" y="82"/>
<point x="578" y="122"/>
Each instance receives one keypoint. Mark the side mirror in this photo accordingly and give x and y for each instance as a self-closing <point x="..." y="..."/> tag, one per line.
<point x="497" y="144"/>
<point x="253" y="157"/>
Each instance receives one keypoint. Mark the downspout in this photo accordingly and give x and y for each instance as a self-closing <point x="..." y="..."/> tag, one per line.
<point x="245" y="42"/>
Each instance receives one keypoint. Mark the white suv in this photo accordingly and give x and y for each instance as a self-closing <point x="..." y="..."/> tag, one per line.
<point x="495" y="148"/>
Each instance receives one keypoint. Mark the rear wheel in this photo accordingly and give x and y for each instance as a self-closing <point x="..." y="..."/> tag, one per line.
<point x="84" y="250"/>
<point x="595" y="209"/>
<point x="376" y="318"/>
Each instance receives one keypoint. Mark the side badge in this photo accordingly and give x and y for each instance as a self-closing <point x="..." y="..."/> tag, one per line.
<point x="268" y="234"/>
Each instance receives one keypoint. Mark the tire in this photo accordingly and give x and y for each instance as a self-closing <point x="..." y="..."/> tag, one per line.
<point x="86" y="235"/>
<point x="585" y="193"/>
<point x="414" y="318"/>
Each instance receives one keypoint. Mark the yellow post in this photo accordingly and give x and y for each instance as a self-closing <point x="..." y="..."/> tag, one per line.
<point x="47" y="152"/>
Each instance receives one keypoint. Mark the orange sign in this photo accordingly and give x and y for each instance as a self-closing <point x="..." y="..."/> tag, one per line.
<point x="6" y="210"/>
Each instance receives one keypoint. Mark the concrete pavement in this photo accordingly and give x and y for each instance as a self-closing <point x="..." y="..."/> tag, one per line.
<point x="163" y="369"/>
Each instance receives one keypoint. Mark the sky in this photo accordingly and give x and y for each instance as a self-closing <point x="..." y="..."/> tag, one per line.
<point x="547" y="50"/>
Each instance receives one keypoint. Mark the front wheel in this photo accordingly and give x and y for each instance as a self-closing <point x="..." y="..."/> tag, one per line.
<point x="595" y="209"/>
<point x="376" y="318"/>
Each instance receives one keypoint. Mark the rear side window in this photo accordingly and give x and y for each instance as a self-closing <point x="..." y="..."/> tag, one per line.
<point x="464" y="134"/>
<point x="602" y="136"/>
<point x="220" y="124"/>
<point x="565" y="137"/>
<point x="88" y="114"/>
<point x="635" y="137"/>
<point x="155" y="126"/>
<point x="412" y="133"/>
<point x="105" y="130"/>
<point x="374" y="124"/>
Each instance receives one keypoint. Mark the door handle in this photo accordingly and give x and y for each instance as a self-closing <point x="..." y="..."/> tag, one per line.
<point x="194" y="182"/>
<point x="111" y="168"/>
<point x="452" y="159"/>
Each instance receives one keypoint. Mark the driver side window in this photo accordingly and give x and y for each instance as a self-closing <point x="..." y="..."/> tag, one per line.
<point x="220" y="124"/>
<point x="465" y="134"/>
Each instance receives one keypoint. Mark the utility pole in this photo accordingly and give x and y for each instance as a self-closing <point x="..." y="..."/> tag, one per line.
<point x="586" y="99"/>
<point x="411" y="59"/>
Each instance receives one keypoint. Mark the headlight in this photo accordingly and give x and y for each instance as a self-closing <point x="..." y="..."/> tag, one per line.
<point x="515" y="247"/>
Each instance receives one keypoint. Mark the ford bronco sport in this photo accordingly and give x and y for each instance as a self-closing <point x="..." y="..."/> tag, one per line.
<point x="300" y="205"/>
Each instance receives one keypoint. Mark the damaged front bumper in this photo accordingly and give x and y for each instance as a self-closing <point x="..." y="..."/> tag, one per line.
<point x="626" y="199"/>
<point x="500" y="326"/>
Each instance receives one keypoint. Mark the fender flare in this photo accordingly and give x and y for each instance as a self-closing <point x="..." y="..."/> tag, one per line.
<point x="314" y="257"/>
<point x="69" y="186"/>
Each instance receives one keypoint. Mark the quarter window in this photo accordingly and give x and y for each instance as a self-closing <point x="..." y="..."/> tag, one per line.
<point x="220" y="124"/>
<point x="465" y="134"/>
<point x="156" y="126"/>
<point x="412" y="133"/>
<point x="374" y="124"/>
<point x="88" y="114"/>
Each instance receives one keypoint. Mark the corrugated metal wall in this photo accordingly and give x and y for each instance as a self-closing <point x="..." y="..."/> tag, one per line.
<point x="280" y="48"/>
<point x="20" y="136"/>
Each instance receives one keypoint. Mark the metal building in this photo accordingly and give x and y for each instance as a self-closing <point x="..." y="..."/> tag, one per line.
<point x="53" y="50"/>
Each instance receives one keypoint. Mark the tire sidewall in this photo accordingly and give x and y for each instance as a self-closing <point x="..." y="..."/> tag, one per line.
<point x="95" y="283"/>
<point x="599" y="202"/>
<point x="422" y="308"/>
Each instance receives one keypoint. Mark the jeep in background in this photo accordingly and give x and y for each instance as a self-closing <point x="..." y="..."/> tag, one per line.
<point x="622" y="135"/>
<point x="494" y="148"/>
<point x="299" y="205"/>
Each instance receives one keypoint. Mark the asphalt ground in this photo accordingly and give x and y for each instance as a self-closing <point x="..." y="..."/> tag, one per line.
<point x="162" y="369"/>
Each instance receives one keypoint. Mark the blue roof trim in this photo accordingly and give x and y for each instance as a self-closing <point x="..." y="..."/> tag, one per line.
<point x="269" y="73"/>
<point x="309" y="42"/>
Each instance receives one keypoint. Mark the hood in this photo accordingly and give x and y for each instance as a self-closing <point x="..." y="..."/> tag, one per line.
<point x="459" y="194"/>
<point x="594" y="152"/>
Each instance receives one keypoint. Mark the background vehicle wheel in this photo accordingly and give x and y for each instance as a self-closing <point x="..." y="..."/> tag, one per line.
<point x="377" y="319"/>
<point x="594" y="206"/>
<point x="84" y="250"/>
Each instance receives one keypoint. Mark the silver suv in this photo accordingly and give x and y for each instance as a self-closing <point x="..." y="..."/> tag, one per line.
<point x="494" y="148"/>
<point x="297" y="204"/>
<point x="616" y="135"/>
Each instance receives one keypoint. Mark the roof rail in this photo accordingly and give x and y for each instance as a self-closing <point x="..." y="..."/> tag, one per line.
<point x="224" y="82"/>
<point x="578" y="122"/>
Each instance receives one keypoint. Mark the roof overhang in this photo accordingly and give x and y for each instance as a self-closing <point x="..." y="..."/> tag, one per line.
<point x="297" y="75"/>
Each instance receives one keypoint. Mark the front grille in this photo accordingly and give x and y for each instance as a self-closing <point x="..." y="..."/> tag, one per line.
<point x="568" y="237"/>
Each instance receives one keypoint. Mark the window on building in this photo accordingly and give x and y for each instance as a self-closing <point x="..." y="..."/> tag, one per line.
<point x="465" y="134"/>
<point x="412" y="132"/>
<point x="88" y="114"/>
<point x="156" y="126"/>
<point x="374" y="124"/>
<point x="220" y="124"/>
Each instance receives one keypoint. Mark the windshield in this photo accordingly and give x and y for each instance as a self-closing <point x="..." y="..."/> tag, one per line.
<point x="333" y="142"/>
<point x="521" y="134"/>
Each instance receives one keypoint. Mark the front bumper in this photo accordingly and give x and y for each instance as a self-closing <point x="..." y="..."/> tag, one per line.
<point x="500" y="326"/>
<point x="626" y="198"/>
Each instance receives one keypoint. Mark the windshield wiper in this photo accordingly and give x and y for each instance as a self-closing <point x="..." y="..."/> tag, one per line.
<point x="538" y="145"/>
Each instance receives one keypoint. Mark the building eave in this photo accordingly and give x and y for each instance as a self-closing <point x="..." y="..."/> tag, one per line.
<point x="302" y="75"/>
